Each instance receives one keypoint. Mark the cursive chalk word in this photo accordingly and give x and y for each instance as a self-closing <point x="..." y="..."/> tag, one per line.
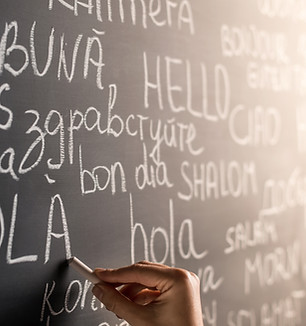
<point x="144" y="13"/>
<point x="166" y="249"/>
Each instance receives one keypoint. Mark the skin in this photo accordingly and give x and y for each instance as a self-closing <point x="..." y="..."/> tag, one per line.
<point x="151" y="295"/>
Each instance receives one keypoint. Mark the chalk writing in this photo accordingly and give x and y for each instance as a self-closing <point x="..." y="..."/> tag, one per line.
<point x="218" y="180"/>
<point x="283" y="311"/>
<point x="246" y="235"/>
<point x="90" y="44"/>
<point x="277" y="78"/>
<point x="292" y="9"/>
<point x="279" y="265"/>
<point x="174" y="90"/>
<point x="167" y="130"/>
<point x="172" y="14"/>
<point x="253" y="42"/>
<point x="280" y="195"/>
<point x="70" y="303"/>
<point x="170" y="244"/>
<point x="15" y="214"/>
<point x="263" y="126"/>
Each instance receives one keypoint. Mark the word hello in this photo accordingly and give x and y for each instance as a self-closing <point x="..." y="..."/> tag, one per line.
<point x="179" y="96"/>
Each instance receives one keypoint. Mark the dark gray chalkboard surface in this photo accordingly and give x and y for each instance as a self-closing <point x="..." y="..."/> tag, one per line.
<point x="167" y="130"/>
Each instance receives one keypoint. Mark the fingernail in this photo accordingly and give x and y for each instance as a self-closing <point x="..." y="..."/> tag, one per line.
<point x="97" y="292"/>
<point x="98" y="271"/>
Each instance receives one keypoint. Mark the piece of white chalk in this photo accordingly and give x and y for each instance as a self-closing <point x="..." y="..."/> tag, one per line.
<point x="83" y="269"/>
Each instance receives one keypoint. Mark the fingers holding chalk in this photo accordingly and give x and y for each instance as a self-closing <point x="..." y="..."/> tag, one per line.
<point x="84" y="270"/>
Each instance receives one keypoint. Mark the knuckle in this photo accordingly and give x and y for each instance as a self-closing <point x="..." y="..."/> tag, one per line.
<point x="142" y="262"/>
<point x="181" y="275"/>
<point x="195" y="278"/>
<point x="186" y="278"/>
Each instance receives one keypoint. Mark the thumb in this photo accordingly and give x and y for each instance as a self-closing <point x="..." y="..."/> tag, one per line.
<point x="116" y="302"/>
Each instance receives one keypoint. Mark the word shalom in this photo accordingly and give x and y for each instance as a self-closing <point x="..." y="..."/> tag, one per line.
<point x="55" y="205"/>
<point x="87" y="53"/>
<point x="214" y="180"/>
<point x="166" y="13"/>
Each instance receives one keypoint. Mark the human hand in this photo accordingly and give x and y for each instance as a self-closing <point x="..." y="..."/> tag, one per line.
<point x="151" y="295"/>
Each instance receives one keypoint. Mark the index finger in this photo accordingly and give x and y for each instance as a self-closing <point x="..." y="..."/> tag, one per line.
<point x="150" y="275"/>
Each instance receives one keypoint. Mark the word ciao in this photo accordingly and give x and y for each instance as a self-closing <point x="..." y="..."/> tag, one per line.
<point x="56" y="204"/>
<point x="257" y="126"/>
<point x="292" y="9"/>
<point x="251" y="42"/>
<point x="159" y="13"/>
<point x="284" y="311"/>
<point x="218" y="180"/>
<point x="88" y="60"/>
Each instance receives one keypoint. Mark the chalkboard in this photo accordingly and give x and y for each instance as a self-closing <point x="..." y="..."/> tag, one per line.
<point x="166" y="130"/>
